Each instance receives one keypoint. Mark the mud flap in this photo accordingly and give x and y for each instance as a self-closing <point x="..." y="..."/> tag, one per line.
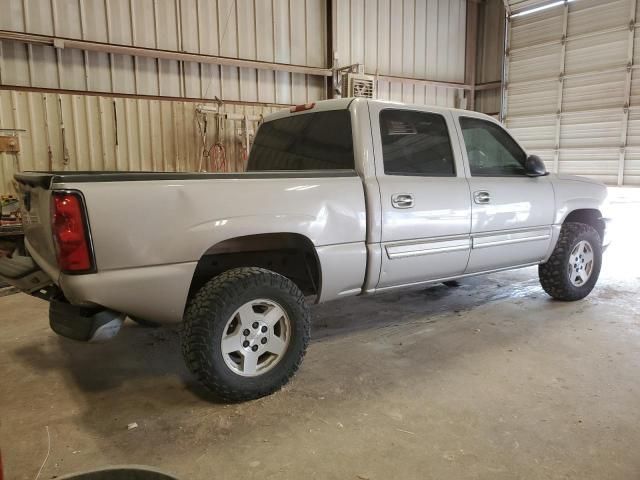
<point x="84" y="324"/>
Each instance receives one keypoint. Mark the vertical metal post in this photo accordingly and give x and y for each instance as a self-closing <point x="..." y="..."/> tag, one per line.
<point x="332" y="43"/>
<point x="83" y="34"/>
<point x="627" y="90"/>
<point x="563" y="56"/>
<point x="505" y="65"/>
<point x="16" y="124"/>
<point x="111" y="59"/>
<point x="247" y="147"/>
<point x="471" y="50"/>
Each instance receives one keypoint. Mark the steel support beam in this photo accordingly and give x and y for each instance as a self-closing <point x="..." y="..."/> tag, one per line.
<point x="420" y="81"/>
<point x="112" y="49"/>
<point x="481" y="87"/>
<point x="91" y="93"/>
<point x="627" y="91"/>
<point x="507" y="7"/>
<point x="471" y="52"/>
<point x="560" y="94"/>
<point x="505" y="65"/>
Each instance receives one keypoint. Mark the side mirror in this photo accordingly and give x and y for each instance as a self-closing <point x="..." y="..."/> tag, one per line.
<point x="535" y="167"/>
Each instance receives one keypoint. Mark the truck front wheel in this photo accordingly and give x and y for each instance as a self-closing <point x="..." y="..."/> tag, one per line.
<point x="574" y="266"/>
<point x="245" y="333"/>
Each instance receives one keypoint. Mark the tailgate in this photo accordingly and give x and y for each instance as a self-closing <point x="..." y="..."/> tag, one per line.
<point x="35" y="203"/>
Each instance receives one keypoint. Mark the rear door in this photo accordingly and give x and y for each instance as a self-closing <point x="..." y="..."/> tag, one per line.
<point x="425" y="201"/>
<point x="512" y="213"/>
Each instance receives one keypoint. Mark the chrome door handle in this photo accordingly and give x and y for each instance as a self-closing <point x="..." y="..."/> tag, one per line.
<point x="402" y="200"/>
<point x="482" y="197"/>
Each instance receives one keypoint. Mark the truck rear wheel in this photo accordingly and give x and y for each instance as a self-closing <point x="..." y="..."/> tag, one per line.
<point x="574" y="266"/>
<point x="245" y="333"/>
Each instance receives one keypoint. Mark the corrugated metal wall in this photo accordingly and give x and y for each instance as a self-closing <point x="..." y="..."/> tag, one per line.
<point x="112" y="133"/>
<point x="405" y="38"/>
<point x="87" y="132"/>
<point x="95" y="110"/>
<point x="490" y="54"/>
<point x="571" y="82"/>
<point x="283" y="31"/>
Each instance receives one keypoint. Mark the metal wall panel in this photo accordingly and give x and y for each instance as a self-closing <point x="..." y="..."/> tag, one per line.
<point x="488" y="101"/>
<point x="86" y="132"/>
<point x="602" y="52"/>
<point x="536" y="28"/>
<point x="536" y="133"/>
<point x="35" y="66"/>
<point x="589" y="16"/>
<point x="283" y="31"/>
<point x="546" y="60"/>
<point x="534" y="98"/>
<point x="599" y="163"/>
<point x="594" y="92"/>
<point x="286" y="31"/>
<point x="570" y="86"/>
<point x="589" y="130"/>
<point x="632" y="167"/>
<point x="490" y="52"/>
<point x="404" y="38"/>
<point x="490" y="55"/>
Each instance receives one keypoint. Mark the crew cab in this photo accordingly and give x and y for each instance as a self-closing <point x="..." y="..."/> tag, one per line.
<point x="340" y="198"/>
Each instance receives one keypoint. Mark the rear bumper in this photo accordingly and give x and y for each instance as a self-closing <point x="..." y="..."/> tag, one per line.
<point x="83" y="323"/>
<point x="157" y="293"/>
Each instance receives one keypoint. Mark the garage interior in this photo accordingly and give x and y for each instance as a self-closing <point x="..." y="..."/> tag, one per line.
<point x="489" y="378"/>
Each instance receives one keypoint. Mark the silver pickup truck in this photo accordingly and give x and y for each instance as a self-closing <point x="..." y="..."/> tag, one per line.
<point x="341" y="198"/>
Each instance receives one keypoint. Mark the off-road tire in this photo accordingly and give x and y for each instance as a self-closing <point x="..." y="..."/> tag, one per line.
<point x="553" y="274"/>
<point x="205" y="319"/>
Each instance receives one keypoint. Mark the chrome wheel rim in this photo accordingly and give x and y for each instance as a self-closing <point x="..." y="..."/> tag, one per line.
<point x="256" y="337"/>
<point x="580" y="265"/>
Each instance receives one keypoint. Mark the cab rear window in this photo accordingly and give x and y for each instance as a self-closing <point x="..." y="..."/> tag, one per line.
<point x="312" y="141"/>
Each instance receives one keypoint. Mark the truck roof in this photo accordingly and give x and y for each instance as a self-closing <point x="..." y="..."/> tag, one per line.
<point x="344" y="103"/>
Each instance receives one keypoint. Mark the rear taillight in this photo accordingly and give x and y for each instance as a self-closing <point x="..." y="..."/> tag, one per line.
<point x="71" y="233"/>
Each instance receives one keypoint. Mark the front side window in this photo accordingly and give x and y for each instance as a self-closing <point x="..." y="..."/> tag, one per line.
<point x="416" y="143"/>
<point x="491" y="150"/>
<point x="311" y="141"/>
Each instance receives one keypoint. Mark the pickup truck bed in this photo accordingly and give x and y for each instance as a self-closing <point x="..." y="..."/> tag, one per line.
<point x="185" y="216"/>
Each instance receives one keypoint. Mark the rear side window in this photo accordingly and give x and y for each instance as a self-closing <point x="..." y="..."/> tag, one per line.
<point x="312" y="141"/>
<point x="416" y="143"/>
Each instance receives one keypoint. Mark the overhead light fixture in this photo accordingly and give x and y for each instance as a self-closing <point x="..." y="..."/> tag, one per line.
<point x="541" y="8"/>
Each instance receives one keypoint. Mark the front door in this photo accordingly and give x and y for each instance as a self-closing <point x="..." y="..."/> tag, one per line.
<point x="425" y="200"/>
<point x="512" y="213"/>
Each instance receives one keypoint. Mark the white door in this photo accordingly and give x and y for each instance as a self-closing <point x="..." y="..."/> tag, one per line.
<point x="425" y="201"/>
<point x="512" y="213"/>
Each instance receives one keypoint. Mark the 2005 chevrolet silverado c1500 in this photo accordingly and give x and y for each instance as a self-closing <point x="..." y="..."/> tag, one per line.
<point x="341" y="197"/>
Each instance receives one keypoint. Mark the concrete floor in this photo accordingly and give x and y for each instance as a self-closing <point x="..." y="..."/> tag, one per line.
<point x="488" y="380"/>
